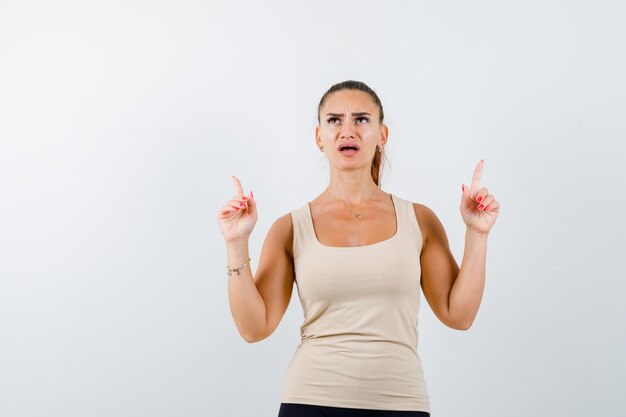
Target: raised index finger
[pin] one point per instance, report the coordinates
(478, 171)
(238, 187)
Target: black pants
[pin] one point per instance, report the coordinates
(307, 410)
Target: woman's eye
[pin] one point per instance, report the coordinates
(331, 120)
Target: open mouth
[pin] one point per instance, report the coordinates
(348, 150)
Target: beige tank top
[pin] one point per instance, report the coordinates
(359, 337)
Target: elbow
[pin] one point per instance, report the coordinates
(252, 334)
(249, 338)
(458, 321)
(460, 325)
(464, 326)
(253, 338)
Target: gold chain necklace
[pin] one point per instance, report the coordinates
(356, 213)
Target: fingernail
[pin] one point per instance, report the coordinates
(487, 208)
(235, 207)
(480, 207)
(479, 199)
(463, 187)
(244, 197)
(242, 205)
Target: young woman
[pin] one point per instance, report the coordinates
(358, 256)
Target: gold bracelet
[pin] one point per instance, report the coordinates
(231, 270)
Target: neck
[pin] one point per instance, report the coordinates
(353, 187)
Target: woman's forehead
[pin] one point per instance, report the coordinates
(349, 98)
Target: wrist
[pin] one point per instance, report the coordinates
(237, 242)
(475, 234)
(237, 250)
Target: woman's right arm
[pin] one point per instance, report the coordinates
(258, 302)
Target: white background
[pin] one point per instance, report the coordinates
(121, 124)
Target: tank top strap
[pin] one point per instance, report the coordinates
(302, 233)
(407, 222)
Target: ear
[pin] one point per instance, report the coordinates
(384, 132)
(318, 141)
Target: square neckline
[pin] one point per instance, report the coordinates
(394, 202)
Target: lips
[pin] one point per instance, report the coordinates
(348, 146)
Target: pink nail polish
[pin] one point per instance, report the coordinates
(480, 207)
(479, 198)
(244, 198)
(242, 205)
(235, 207)
(487, 208)
(463, 187)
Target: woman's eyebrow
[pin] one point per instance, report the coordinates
(362, 113)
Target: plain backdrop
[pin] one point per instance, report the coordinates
(121, 123)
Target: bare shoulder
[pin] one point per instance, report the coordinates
(425, 217)
(429, 223)
(281, 233)
(276, 259)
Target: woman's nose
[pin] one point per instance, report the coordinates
(347, 130)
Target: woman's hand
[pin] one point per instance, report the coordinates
(479, 209)
(238, 217)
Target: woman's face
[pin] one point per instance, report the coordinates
(350, 117)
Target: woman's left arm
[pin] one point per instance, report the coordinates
(479, 210)
(455, 294)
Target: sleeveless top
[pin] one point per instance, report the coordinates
(359, 337)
